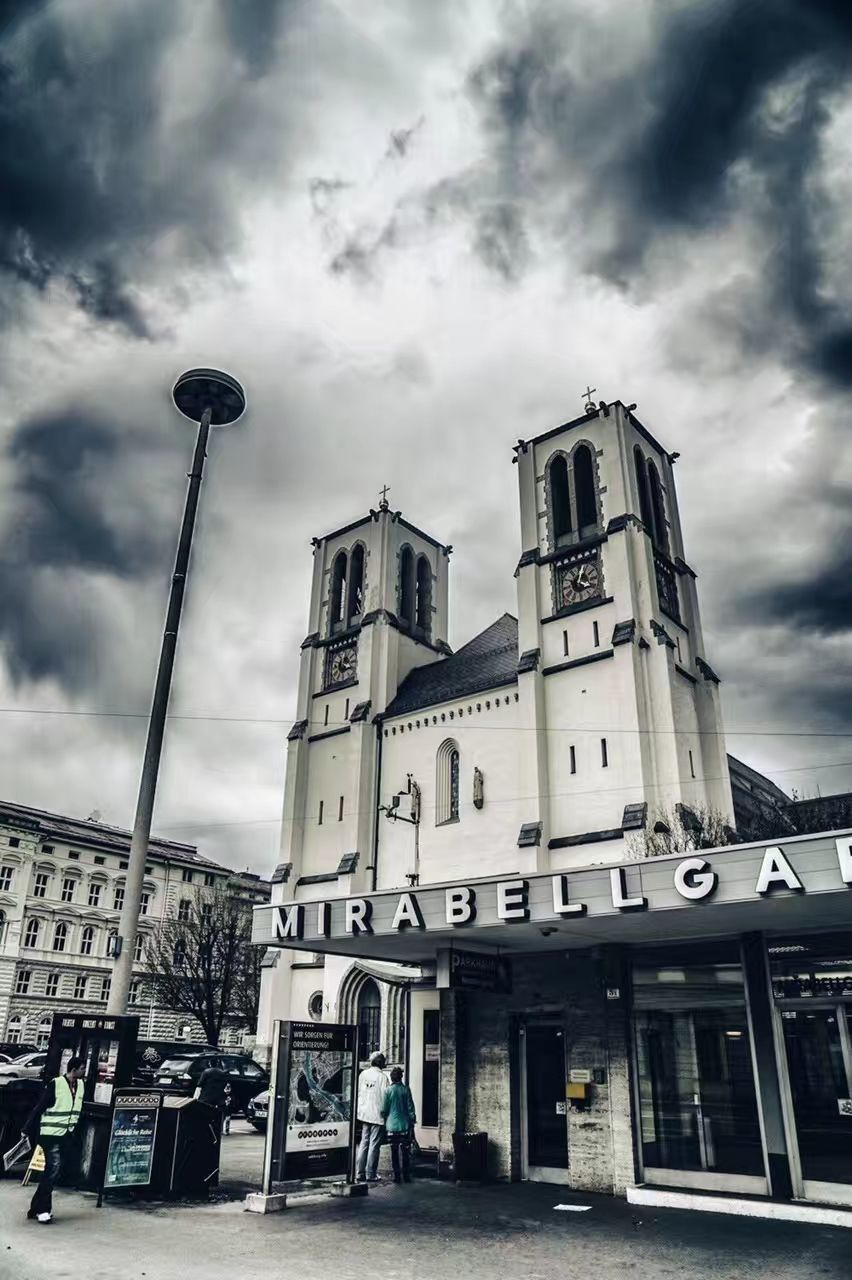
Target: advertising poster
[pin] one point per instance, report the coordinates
(131, 1141)
(314, 1100)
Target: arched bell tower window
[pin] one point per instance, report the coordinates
(423, 596)
(645, 512)
(355, 595)
(560, 498)
(584, 490)
(407, 586)
(369, 1020)
(337, 603)
(447, 783)
(658, 507)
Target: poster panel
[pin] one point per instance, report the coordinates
(131, 1141)
(317, 1066)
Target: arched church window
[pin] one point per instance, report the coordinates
(645, 512)
(423, 602)
(369, 1019)
(584, 490)
(560, 498)
(447, 783)
(406, 585)
(355, 599)
(338, 591)
(658, 507)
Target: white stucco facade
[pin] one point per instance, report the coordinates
(545, 744)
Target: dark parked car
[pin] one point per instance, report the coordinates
(151, 1054)
(181, 1075)
(257, 1111)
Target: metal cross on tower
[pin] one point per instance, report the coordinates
(588, 393)
(384, 491)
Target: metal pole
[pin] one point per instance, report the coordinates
(129, 919)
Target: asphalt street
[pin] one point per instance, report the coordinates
(428, 1228)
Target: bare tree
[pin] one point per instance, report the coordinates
(682, 830)
(198, 961)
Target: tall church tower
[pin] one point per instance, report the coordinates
(378, 609)
(614, 682)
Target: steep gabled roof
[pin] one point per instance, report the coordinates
(487, 661)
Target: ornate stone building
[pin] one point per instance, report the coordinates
(61, 891)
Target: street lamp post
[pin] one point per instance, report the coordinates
(209, 398)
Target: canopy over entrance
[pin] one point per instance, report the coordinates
(796, 884)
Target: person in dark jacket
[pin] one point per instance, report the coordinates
(400, 1119)
(49, 1126)
(214, 1088)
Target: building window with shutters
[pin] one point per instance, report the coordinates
(95, 891)
(87, 941)
(118, 897)
(22, 982)
(60, 936)
(51, 986)
(69, 884)
(80, 986)
(40, 884)
(31, 933)
(184, 909)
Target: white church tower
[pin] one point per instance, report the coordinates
(613, 679)
(378, 609)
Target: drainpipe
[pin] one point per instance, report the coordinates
(378, 797)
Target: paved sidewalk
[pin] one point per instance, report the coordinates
(427, 1229)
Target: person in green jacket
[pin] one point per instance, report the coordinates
(400, 1119)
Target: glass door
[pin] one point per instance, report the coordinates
(545, 1107)
(698, 1114)
(819, 1065)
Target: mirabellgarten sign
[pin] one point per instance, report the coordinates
(738, 874)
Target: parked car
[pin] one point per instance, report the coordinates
(257, 1111)
(247, 1079)
(151, 1054)
(29, 1066)
(13, 1049)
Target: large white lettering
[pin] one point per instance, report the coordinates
(289, 923)
(618, 888)
(512, 900)
(775, 872)
(694, 880)
(407, 913)
(844, 857)
(358, 913)
(561, 905)
(323, 919)
(460, 906)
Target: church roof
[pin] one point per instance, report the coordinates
(487, 661)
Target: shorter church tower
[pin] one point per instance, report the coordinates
(613, 676)
(378, 609)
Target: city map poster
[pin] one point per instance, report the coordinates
(315, 1087)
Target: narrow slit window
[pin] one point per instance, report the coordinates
(325, 721)
(573, 759)
(604, 756)
(691, 765)
(596, 635)
(340, 810)
(346, 711)
(565, 643)
(319, 819)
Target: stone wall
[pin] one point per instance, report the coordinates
(482, 1078)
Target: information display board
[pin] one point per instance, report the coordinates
(311, 1129)
(130, 1157)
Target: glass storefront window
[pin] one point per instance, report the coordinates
(698, 1105)
(812, 982)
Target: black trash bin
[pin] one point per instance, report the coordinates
(17, 1099)
(470, 1151)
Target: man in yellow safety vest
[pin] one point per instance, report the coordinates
(51, 1124)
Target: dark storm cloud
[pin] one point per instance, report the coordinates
(818, 598)
(73, 519)
(97, 171)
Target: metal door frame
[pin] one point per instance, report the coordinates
(839, 1193)
(540, 1173)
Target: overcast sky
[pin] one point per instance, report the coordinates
(415, 229)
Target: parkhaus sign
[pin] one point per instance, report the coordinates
(738, 874)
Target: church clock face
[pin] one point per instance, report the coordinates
(342, 664)
(579, 582)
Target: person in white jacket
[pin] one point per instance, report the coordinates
(372, 1089)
